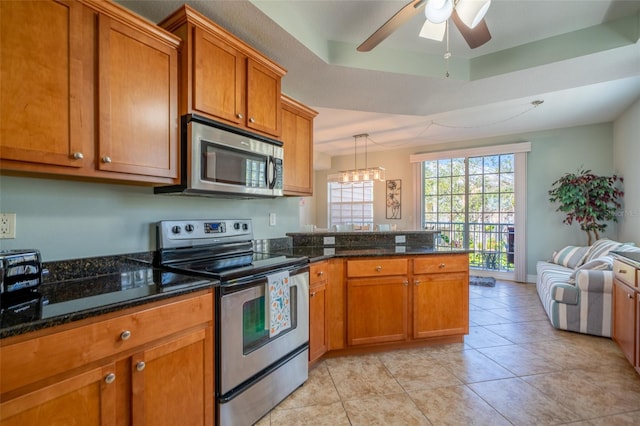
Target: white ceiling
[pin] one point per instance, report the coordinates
(581, 57)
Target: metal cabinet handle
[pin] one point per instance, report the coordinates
(312, 294)
(405, 282)
(442, 265)
(417, 282)
(630, 296)
(378, 268)
(252, 120)
(78, 156)
(321, 273)
(140, 365)
(106, 159)
(110, 378)
(622, 271)
(240, 116)
(125, 335)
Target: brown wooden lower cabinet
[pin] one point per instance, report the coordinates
(80, 399)
(396, 300)
(377, 310)
(318, 337)
(626, 310)
(159, 370)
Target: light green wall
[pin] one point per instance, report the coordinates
(553, 153)
(68, 219)
(626, 155)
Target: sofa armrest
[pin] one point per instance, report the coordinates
(594, 281)
(565, 293)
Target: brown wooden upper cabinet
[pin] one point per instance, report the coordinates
(82, 92)
(297, 136)
(223, 78)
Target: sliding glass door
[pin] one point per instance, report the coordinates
(472, 199)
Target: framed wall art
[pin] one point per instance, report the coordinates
(394, 199)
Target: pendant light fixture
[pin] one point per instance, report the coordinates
(366, 174)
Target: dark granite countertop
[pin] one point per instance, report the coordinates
(83, 288)
(131, 284)
(317, 253)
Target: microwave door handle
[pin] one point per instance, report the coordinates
(271, 173)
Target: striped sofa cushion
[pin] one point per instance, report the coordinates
(570, 256)
(601, 248)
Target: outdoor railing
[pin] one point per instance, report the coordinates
(491, 244)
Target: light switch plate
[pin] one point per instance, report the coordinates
(400, 239)
(329, 241)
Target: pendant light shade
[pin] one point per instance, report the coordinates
(471, 12)
(433, 31)
(438, 11)
(368, 174)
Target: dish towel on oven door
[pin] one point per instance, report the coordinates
(279, 306)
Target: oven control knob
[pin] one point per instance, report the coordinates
(176, 229)
(245, 227)
(188, 227)
(236, 226)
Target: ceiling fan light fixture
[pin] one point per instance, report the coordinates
(438, 11)
(433, 31)
(471, 12)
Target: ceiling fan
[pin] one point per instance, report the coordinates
(467, 15)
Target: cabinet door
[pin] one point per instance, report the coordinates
(624, 318)
(317, 320)
(440, 305)
(173, 383)
(377, 310)
(637, 339)
(138, 103)
(87, 398)
(45, 70)
(297, 137)
(218, 78)
(264, 108)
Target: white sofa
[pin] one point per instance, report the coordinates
(575, 287)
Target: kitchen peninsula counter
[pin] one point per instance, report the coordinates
(318, 253)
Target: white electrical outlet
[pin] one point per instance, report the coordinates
(7, 225)
(272, 219)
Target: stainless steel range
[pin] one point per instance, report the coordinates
(262, 312)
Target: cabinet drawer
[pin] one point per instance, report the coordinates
(441, 263)
(625, 273)
(376, 267)
(318, 272)
(32, 360)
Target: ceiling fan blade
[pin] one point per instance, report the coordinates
(396, 21)
(475, 37)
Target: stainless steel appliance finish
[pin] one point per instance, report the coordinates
(265, 394)
(255, 370)
(220, 160)
(241, 359)
(20, 270)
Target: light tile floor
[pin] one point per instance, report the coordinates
(513, 369)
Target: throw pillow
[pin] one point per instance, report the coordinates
(601, 248)
(570, 256)
(604, 263)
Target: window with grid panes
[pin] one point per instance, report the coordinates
(350, 203)
(478, 214)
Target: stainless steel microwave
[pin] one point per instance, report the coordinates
(220, 160)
